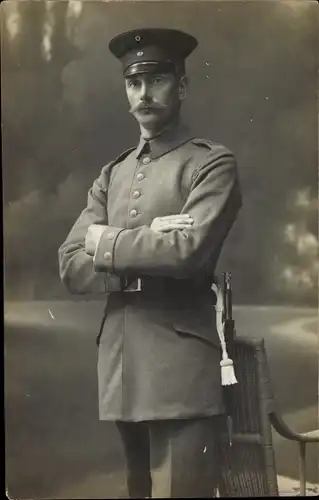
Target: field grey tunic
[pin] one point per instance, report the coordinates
(159, 350)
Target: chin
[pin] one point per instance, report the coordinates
(148, 119)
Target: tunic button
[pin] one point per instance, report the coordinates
(136, 194)
(146, 160)
(140, 176)
(110, 236)
(133, 213)
(107, 256)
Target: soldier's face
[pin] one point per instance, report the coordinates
(155, 99)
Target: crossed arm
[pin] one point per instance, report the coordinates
(159, 225)
(178, 251)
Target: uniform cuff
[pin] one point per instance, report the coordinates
(104, 255)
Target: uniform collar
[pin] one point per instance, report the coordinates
(167, 141)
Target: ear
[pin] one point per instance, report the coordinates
(183, 87)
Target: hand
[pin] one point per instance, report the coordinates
(92, 237)
(170, 222)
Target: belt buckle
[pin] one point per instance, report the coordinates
(136, 286)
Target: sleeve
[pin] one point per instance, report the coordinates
(76, 268)
(214, 202)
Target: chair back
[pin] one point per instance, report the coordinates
(248, 466)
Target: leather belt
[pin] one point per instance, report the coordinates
(168, 285)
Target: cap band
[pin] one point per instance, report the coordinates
(150, 67)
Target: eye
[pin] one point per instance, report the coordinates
(131, 83)
(157, 79)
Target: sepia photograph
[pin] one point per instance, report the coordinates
(160, 227)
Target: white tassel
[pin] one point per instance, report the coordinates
(227, 366)
(228, 372)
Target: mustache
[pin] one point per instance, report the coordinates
(150, 106)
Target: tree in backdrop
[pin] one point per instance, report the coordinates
(38, 128)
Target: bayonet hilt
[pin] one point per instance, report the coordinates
(228, 303)
(228, 308)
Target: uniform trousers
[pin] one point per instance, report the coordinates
(172, 458)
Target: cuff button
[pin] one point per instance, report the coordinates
(107, 256)
(110, 236)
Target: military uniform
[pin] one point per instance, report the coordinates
(159, 350)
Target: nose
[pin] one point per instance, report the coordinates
(144, 92)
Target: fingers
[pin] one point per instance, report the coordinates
(170, 222)
(180, 222)
(175, 217)
(169, 227)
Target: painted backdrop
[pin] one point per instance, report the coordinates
(64, 115)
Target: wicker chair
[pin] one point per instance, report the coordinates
(248, 465)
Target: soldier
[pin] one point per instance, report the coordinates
(149, 239)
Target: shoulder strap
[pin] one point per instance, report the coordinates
(106, 170)
(212, 145)
(122, 156)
